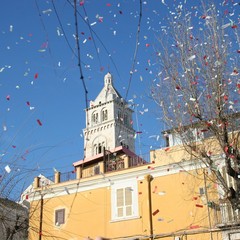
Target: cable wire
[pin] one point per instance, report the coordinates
(78, 53)
(136, 49)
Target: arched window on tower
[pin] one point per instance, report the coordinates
(125, 119)
(95, 149)
(119, 116)
(99, 148)
(95, 118)
(104, 114)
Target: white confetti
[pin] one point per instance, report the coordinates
(192, 57)
(7, 169)
(92, 24)
(47, 11)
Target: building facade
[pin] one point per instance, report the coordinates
(115, 194)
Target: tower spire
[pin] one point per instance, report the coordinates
(108, 79)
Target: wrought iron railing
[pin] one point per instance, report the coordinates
(228, 215)
(67, 176)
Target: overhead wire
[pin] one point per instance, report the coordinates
(136, 48)
(85, 93)
(64, 34)
(46, 34)
(79, 55)
(98, 38)
(132, 71)
(93, 39)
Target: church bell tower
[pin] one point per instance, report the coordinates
(108, 122)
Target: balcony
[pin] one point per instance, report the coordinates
(106, 165)
(228, 217)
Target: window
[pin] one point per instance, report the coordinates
(201, 191)
(119, 116)
(59, 217)
(96, 170)
(104, 115)
(125, 119)
(95, 117)
(124, 200)
(95, 149)
(99, 148)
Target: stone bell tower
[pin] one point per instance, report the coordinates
(108, 122)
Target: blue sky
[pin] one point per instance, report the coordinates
(40, 79)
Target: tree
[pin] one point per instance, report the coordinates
(198, 88)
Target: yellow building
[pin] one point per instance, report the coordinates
(114, 194)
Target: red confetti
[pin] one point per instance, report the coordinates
(166, 149)
(234, 26)
(147, 44)
(203, 16)
(194, 226)
(198, 205)
(28, 103)
(13, 146)
(194, 83)
(81, 3)
(235, 71)
(8, 97)
(155, 189)
(36, 76)
(238, 51)
(225, 97)
(39, 122)
(139, 132)
(155, 212)
(108, 4)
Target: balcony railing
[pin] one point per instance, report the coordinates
(109, 166)
(228, 216)
(67, 176)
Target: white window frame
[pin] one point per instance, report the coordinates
(132, 186)
(60, 212)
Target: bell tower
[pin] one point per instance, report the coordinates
(108, 122)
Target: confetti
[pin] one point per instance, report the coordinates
(155, 212)
(192, 57)
(7, 169)
(39, 122)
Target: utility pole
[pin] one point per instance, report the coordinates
(41, 218)
(206, 194)
(149, 178)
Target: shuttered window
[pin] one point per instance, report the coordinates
(124, 201)
(59, 216)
